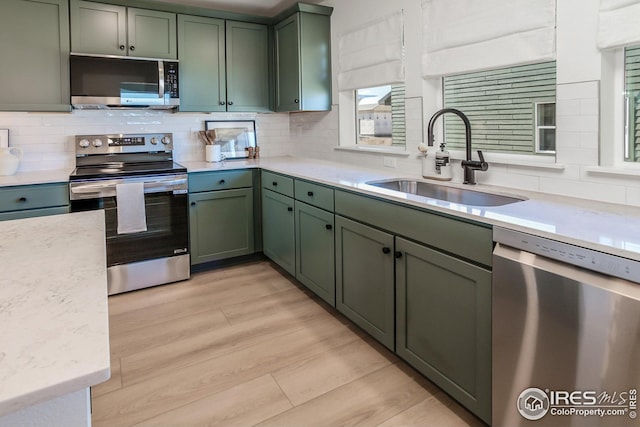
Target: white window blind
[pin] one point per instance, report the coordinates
(372, 55)
(618, 23)
(473, 35)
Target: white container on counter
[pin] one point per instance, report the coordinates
(9, 160)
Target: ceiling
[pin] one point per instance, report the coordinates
(252, 7)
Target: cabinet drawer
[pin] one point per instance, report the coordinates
(314, 194)
(223, 180)
(278, 183)
(461, 238)
(25, 197)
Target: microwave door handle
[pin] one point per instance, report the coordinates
(161, 79)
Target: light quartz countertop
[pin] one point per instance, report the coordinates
(35, 177)
(54, 337)
(595, 225)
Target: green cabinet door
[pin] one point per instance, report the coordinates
(365, 278)
(278, 232)
(315, 264)
(106, 29)
(247, 59)
(34, 47)
(444, 323)
(303, 63)
(201, 47)
(98, 28)
(151, 33)
(220, 224)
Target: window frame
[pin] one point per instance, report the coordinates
(538, 127)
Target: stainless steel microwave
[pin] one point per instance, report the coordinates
(120, 82)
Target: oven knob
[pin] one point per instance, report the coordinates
(166, 140)
(97, 143)
(84, 143)
(154, 141)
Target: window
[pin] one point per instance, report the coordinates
(632, 104)
(510, 109)
(380, 116)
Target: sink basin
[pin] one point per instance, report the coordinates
(443, 192)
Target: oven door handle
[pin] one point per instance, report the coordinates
(108, 189)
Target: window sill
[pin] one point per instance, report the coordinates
(516, 160)
(610, 170)
(385, 151)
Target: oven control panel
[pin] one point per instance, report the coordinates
(121, 143)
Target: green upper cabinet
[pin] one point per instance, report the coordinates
(105, 29)
(202, 63)
(303, 63)
(34, 47)
(223, 65)
(247, 67)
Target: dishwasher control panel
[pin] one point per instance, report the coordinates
(590, 259)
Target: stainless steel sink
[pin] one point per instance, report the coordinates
(443, 192)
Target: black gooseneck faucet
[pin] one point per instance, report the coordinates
(469, 165)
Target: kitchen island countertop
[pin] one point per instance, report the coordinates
(54, 338)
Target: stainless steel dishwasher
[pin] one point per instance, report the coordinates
(566, 334)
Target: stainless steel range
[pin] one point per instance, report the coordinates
(144, 195)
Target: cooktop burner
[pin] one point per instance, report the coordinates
(112, 170)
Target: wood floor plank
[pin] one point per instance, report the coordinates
(438, 410)
(310, 378)
(366, 402)
(243, 405)
(149, 337)
(198, 347)
(113, 383)
(178, 387)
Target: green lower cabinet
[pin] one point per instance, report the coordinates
(221, 224)
(278, 230)
(315, 266)
(444, 323)
(365, 278)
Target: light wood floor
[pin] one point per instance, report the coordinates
(244, 346)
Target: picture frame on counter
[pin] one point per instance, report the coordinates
(234, 136)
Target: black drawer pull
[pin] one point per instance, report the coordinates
(328, 226)
(121, 47)
(290, 209)
(398, 255)
(132, 48)
(193, 203)
(310, 193)
(221, 182)
(22, 199)
(274, 183)
(386, 250)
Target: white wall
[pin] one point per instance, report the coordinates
(580, 143)
(47, 139)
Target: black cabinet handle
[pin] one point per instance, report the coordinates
(386, 250)
(290, 209)
(398, 254)
(132, 48)
(230, 103)
(222, 181)
(275, 184)
(193, 203)
(121, 47)
(310, 193)
(22, 199)
(328, 226)
(297, 101)
(222, 103)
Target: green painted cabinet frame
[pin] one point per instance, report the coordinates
(365, 291)
(303, 63)
(278, 229)
(107, 29)
(443, 322)
(34, 47)
(315, 250)
(27, 201)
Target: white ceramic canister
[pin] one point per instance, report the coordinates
(429, 163)
(213, 153)
(10, 160)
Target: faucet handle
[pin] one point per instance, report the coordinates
(483, 164)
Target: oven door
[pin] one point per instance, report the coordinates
(166, 210)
